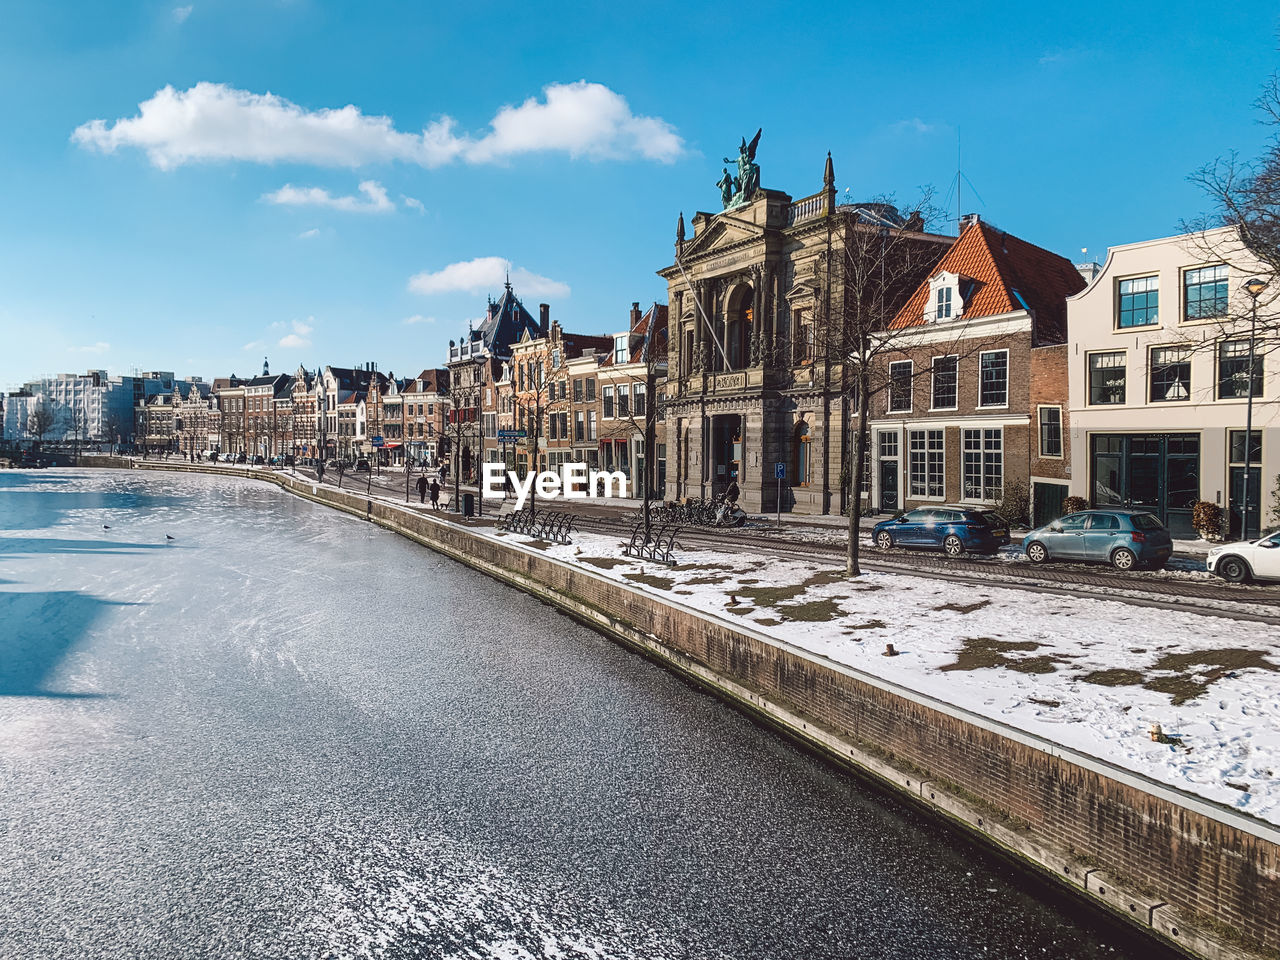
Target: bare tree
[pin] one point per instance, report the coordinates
(40, 419)
(653, 354)
(874, 265)
(1244, 195)
(544, 404)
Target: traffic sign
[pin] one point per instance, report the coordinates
(779, 471)
(378, 442)
(512, 434)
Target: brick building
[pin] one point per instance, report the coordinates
(975, 382)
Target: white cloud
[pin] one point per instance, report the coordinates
(374, 199)
(212, 121)
(253, 345)
(308, 234)
(485, 273)
(99, 347)
(180, 14)
(413, 203)
(300, 337)
(915, 125)
(418, 318)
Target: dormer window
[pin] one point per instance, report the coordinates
(946, 296)
(621, 353)
(942, 309)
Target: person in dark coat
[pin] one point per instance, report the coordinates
(422, 489)
(435, 495)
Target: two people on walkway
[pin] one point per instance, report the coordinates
(433, 488)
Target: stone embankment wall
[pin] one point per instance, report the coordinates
(1197, 875)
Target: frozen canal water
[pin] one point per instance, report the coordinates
(287, 733)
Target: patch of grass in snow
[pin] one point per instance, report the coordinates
(815, 611)
(869, 625)
(1193, 679)
(768, 621)
(752, 580)
(700, 566)
(772, 596)
(981, 652)
(604, 563)
(1114, 678)
(1045, 703)
(648, 579)
(694, 581)
(964, 607)
(1192, 674)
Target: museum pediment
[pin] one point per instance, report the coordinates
(724, 233)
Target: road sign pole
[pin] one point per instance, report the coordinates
(779, 472)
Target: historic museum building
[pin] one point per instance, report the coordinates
(756, 386)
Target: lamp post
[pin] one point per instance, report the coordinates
(1253, 287)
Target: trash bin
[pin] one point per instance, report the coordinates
(468, 504)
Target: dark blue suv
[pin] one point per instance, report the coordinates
(953, 530)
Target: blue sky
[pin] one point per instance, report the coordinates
(243, 211)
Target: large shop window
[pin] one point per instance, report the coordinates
(1106, 377)
(983, 464)
(1234, 366)
(926, 462)
(994, 385)
(802, 463)
(900, 386)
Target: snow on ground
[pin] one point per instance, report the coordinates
(1093, 675)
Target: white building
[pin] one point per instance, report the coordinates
(1159, 373)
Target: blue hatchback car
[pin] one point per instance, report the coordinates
(1123, 538)
(953, 530)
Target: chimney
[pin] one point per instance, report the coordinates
(544, 319)
(635, 314)
(968, 220)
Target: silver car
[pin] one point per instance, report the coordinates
(1123, 538)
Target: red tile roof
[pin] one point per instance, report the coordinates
(1010, 275)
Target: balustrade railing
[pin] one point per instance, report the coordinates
(808, 208)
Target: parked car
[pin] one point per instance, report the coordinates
(228, 458)
(1123, 538)
(953, 530)
(1248, 560)
(362, 466)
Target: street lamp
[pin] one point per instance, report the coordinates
(1253, 287)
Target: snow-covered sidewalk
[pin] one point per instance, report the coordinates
(1092, 675)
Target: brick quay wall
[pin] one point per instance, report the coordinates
(1196, 875)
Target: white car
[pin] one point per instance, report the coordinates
(1252, 560)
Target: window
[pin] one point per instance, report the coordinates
(638, 398)
(1236, 446)
(579, 426)
(620, 352)
(799, 337)
(944, 383)
(1106, 377)
(1170, 377)
(942, 306)
(926, 462)
(803, 464)
(983, 464)
(607, 394)
(1204, 293)
(993, 372)
(1234, 363)
(888, 445)
(591, 425)
(591, 390)
(1139, 302)
(900, 386)
(624, 400)
(1050, 431)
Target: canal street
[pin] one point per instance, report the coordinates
(236, 724)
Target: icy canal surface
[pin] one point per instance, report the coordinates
(286, 733)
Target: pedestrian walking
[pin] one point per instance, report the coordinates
(422, 489)
(435, 495)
